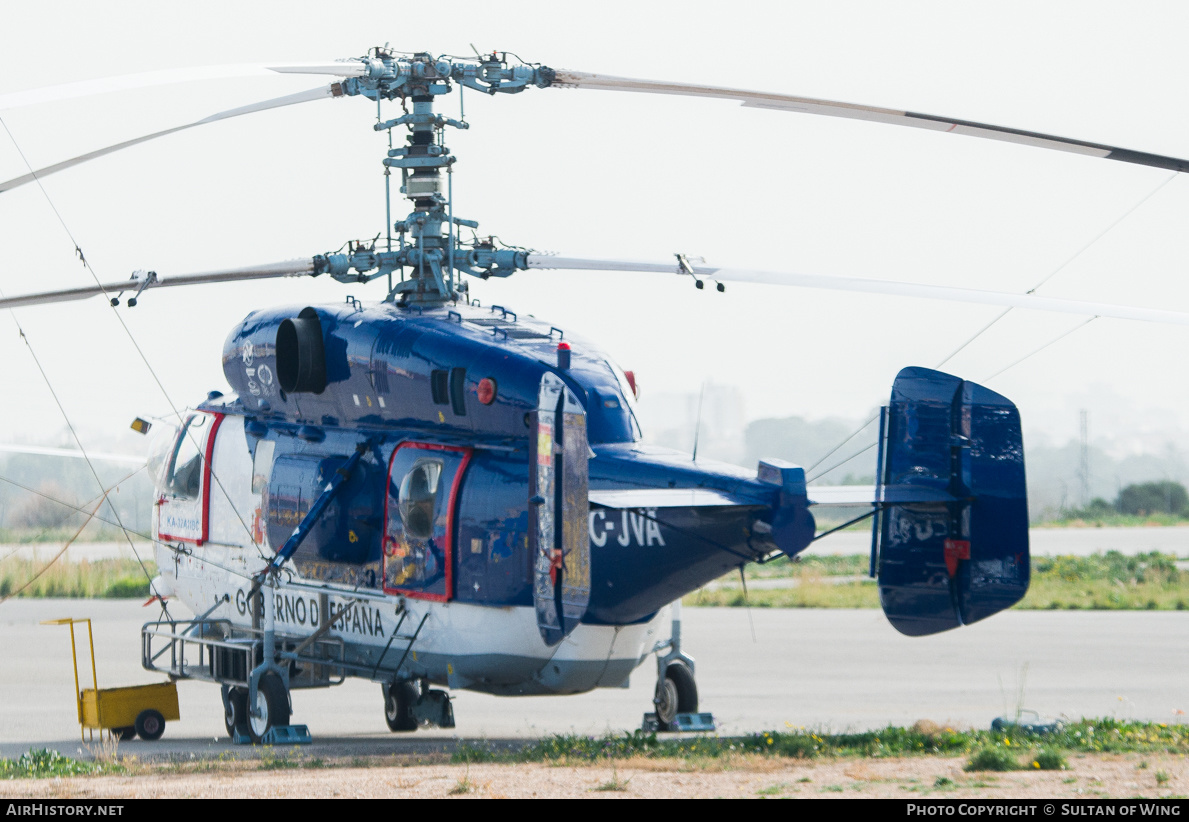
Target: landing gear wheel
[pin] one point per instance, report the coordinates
(399, 699)
(676, 694)
(124, 734)
(271, 709)
(235, 710)
(150, 725)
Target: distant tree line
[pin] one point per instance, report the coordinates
(1141, 499)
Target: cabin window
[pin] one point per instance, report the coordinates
(184, 479)
(439, 381)
(262, 465)
(418, 498)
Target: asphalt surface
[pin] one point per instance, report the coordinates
(757, 670)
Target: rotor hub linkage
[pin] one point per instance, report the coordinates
(429, 248)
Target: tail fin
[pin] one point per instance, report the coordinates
(951, 535)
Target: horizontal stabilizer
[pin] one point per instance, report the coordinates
(852, 495)
(666, 498)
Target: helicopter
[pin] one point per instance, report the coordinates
(433, 492)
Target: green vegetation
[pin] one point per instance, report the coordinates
(1050, 759)
(1110, 581)
(993, 759)
(271, 760)
(809, 594)
(1159, 503)
(615, 783)
(95, 531)
(1085, 518)
(99, 579)
(985, 750)
(44, 764)
(1047, 751)
(818, 582)
(817, 564)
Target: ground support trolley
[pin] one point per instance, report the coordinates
(136, 710)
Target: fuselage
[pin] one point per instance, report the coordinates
(436, 517)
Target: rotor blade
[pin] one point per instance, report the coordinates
(900, 289)
(352, 68)
(263, 105)
(293, 268)
(37, 450)
(830, 108)
(148, 79)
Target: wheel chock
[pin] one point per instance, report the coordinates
(691, 723)
(288, 735)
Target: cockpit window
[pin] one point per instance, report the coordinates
(162, 440)
(418, 498)
(629, 398)
(184, 479)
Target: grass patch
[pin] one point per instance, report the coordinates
(1050, 759)
(271, 761)
(95, 531)
(1106, 519)
(992, 759)
(809, 593)
(1049, 751)
(1103, 581)
(815, 564)
(463, 786)
(1110, 581)
(100, 579)
(46, 764)
(615, 783)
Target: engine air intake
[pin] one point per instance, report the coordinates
(301, 354)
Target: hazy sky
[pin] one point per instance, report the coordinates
(591, 173)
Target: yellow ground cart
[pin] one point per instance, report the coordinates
(137, 710)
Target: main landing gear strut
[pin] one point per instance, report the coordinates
(676, 697)
(409, 705)
(272, 709)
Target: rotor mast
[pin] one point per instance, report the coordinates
(430, 250)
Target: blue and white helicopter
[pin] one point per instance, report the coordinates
(428, 492)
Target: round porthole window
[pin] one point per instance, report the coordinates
(418, 498)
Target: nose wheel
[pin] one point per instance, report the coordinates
(271, 709)
(245, 721)
(235, 709)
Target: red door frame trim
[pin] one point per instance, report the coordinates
(450, 521)
(206, 480)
